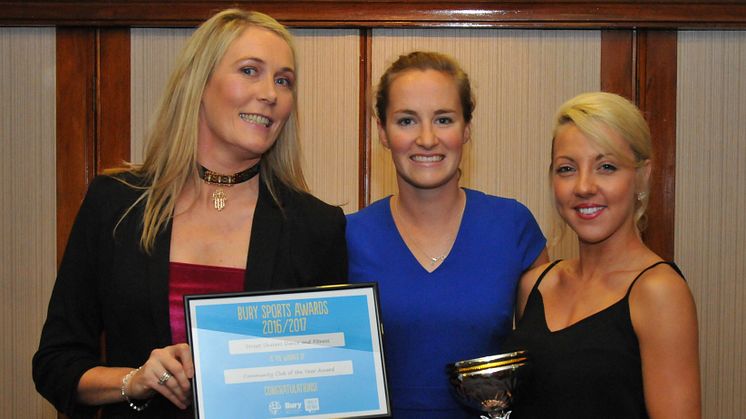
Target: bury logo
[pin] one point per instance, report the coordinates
(274, 407)
(292, 406)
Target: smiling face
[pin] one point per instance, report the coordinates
(594, 189)
(424, 129)
(246, 101)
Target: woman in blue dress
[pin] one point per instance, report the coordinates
(447, 259)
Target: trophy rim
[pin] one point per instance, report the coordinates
(481, 363)
(491, 370)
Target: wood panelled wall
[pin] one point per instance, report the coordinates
(152, 54)
(329, 97)
(710, 200)
(638, 48)
(93, 67)
(27, 210)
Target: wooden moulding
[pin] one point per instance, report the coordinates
(113, 98)
(365, 129)
(76, 125)
(93, 113)
(681, 14)
(656, 52)
(618, 63)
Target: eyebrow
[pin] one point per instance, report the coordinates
(260, 61)
(600, 156)
(411, 112)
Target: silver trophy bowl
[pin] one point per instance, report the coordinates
(488, 384)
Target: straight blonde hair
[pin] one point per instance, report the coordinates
(171, 154)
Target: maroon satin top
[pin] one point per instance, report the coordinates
(186, 279)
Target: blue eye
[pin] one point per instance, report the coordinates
(563, 170)
(608, 167)
(249, 71)
(444, 120)
(284, 81)
(404, 122)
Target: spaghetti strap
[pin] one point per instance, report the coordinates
(671, 264)
(549, 268)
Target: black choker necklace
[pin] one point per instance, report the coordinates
(213, 178)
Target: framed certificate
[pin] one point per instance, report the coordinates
(300, 353)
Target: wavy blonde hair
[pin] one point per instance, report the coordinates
(171, 154)
(594, 114)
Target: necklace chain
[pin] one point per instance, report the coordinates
(434, 260)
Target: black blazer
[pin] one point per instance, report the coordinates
(107, 284)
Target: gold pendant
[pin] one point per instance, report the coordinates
(218, 199)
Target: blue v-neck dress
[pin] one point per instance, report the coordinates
(462, 310)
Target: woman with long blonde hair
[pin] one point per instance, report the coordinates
(220, 204)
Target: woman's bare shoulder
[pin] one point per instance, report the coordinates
(658, 285)
(661, 300)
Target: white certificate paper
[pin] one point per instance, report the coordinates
(303, 353)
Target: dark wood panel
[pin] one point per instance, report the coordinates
(364, 117)
(321, 13)
(642, 67)
(657, 99)
(618, 62)
(76, 51)
(113, 98)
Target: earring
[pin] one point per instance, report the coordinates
(641, 195)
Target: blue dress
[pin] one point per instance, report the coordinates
(462, 310)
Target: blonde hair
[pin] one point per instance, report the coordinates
(594, 114)
(171, 155)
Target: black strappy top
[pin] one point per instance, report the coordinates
(590, 369)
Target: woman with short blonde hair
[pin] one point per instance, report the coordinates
(613, 332)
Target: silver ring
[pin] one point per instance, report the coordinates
(164, 377)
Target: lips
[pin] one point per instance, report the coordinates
(254, 118)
